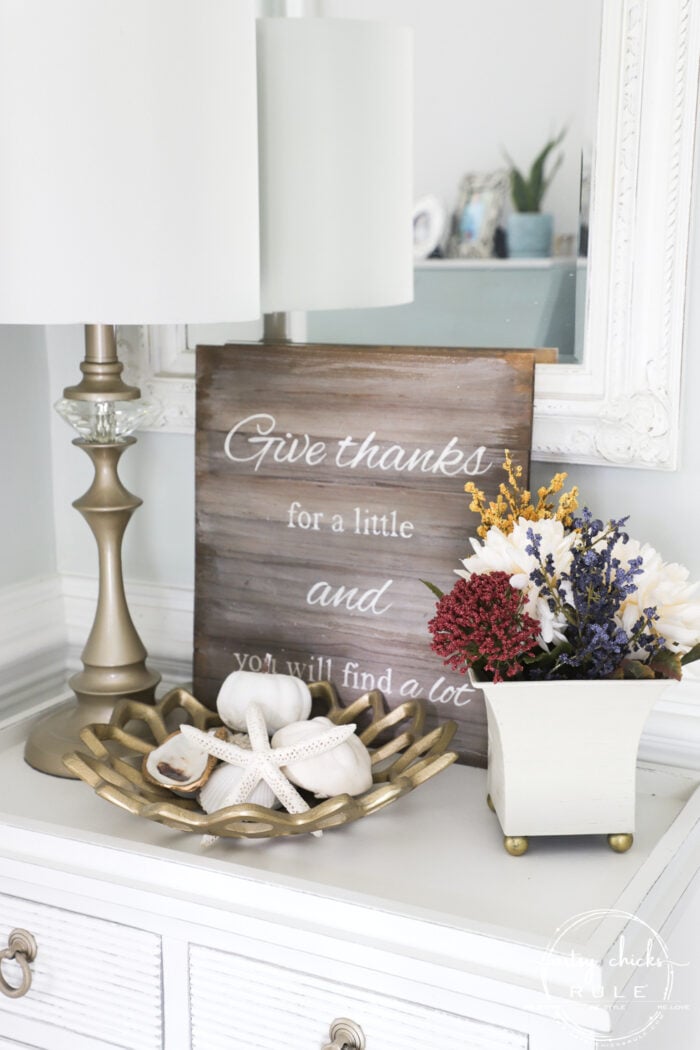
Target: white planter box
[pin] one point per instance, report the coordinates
(562, 755)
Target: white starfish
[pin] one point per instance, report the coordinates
(263, 762)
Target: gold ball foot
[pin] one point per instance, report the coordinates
(489, 803)
(516, 845)
(620, 843)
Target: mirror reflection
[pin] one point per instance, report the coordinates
(496, 86)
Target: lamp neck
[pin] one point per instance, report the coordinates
(289, 8)
(100, 344)
(277, 328)
(101, 369)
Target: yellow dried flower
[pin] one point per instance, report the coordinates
(512, 502)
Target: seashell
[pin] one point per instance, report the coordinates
(347, 769)
(221, 790)
(179, 764)
(282, 698)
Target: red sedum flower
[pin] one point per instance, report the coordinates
(483, 621)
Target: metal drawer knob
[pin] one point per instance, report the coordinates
(21, 947)
(346, 1035)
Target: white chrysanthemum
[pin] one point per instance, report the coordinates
(507, 553)
(664, 587)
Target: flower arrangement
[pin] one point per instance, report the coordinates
(547, 594)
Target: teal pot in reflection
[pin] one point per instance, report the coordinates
(529, 235)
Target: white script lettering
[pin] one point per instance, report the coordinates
(252, 662)
(354, 600)
(304, 519)
(261, 443)
(459, 695)
(387, 525)
(449, 461)
(287, 449)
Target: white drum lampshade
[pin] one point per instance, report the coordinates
(129, 176)
(335, 104)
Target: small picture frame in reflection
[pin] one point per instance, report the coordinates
(480, 204)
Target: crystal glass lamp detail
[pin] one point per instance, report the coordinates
(107, 422)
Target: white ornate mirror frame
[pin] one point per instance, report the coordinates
(622, 405)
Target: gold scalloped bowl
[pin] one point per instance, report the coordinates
(112, 764)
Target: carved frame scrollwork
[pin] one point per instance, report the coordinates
(622, 405)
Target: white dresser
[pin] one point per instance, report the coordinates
(413, 923)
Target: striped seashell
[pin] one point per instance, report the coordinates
(222, 789)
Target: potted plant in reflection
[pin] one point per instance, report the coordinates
(572, 630)
(529, 229)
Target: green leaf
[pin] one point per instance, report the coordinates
(547, 659)
(633, 669)
(520, 192)
(538, 181)
(691, 656)
(477, 665)
(667, 665)
(528, 193)
(436, 590)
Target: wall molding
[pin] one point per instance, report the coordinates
(46, 622)
(32, 642)
(672, 734)
(163, 616)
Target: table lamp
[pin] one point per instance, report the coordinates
(173, 161)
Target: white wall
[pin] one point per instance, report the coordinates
(26, 519)
(502, 75)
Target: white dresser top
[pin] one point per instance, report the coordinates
(427, 875)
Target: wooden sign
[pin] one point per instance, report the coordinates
(330, 482)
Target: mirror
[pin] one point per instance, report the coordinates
(620, 405)
(495, 84)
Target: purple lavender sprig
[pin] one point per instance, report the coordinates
(589, 596)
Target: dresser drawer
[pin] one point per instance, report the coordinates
(90, 977)
(242, 1003)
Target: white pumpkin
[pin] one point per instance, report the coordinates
(281, 697)
(347, 769)
(221, 790)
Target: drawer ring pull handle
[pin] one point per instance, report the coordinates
(22, 948)
(346, 1035)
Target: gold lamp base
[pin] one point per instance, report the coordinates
(58, 733)
(114, 657)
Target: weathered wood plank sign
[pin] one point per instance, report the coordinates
(330, 481)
